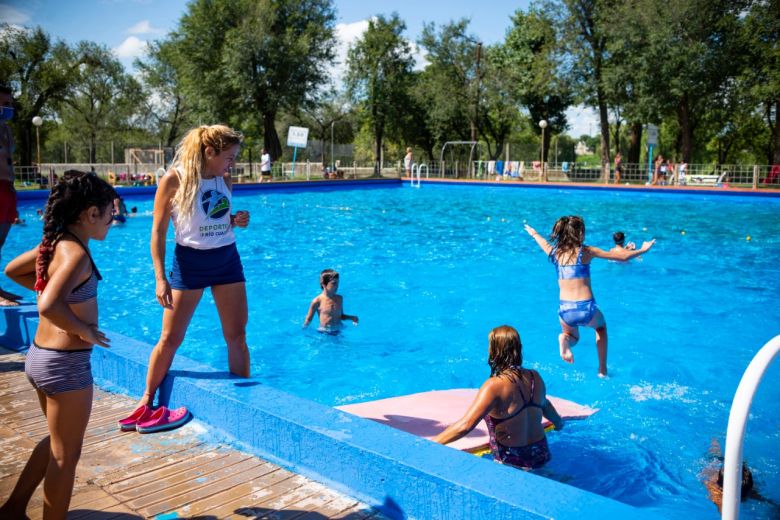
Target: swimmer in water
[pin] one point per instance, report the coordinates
(329, 305)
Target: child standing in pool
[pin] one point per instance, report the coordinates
(567, 251)
(58, 366)
(328, 305)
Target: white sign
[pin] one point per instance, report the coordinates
(652, 135)
(297, 136)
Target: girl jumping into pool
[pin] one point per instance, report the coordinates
(512, 401)
(58, 366)
(567, 251)
(196, 195)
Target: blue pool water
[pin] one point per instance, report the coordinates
(431, 271)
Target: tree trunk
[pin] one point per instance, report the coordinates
(604, 120)
(776, 157)
(92, 148)
(635, 143)
(379, 132)
(686, 130)
(25, 143)
(270, 137)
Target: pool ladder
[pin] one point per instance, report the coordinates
(417, 170)
(735, 433)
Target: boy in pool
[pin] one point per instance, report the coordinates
(329, 305)
(620, 245)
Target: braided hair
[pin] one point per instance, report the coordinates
(568, 235)
(72, 194)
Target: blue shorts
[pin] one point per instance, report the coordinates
(577, 313)
(55, 371)
(201, 268)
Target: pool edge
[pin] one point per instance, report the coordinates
(401, 475)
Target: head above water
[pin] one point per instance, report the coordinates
(505, 349)
(619, 238)
(568, 234)
(199, 145)
(326, 276)
(747, 481)
(74, 192)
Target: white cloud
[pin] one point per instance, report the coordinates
(12, 15)
(582, 121)
(143, 27)
(132, 47)
(347, 34)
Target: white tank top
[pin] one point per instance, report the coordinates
(209, 227)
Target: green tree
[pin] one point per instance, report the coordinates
(41, 73)
(252, 59)
(329, 116)
(166, 104)
(584, 26)
(379, 73)
(454, 77)
(535, 68)
(104, 102)
(760, 64)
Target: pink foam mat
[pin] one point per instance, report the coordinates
(426, 414)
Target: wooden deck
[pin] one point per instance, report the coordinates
(179, 474)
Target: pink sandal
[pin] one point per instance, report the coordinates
(163, 419)
(140, 414)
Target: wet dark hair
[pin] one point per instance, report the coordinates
(505, 350)
(747, 481)
(568, 235)
(619, 237)
(74, 192)
(326, 276)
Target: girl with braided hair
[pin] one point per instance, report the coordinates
(63, 274)
(567, 251)
(196, 195)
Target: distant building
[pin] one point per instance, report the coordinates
(582, 149)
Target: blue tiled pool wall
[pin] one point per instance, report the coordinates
(402, 475)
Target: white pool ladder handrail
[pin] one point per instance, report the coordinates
(735, 433)
(419, 171)
(415, 171)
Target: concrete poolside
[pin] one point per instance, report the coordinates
(183, 473)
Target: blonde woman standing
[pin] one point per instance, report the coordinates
(196, 195)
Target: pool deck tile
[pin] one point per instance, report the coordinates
(174, 474)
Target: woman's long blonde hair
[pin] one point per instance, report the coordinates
(190, 158)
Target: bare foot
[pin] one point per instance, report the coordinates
(566, 354)
(603, 375)
(9, 295)
(5, 302)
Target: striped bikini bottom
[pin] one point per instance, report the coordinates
(55, 371)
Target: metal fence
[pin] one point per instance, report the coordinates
(137, 174)
(742, 176)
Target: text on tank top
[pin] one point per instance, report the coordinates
(209, 226)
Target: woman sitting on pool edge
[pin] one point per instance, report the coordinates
(512, 401)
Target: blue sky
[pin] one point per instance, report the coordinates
(126, 25)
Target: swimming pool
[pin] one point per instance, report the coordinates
(430, 271)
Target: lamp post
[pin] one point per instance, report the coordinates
(38, 121)
(543, 125)
(332, 158)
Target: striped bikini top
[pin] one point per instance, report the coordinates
(87, 289)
